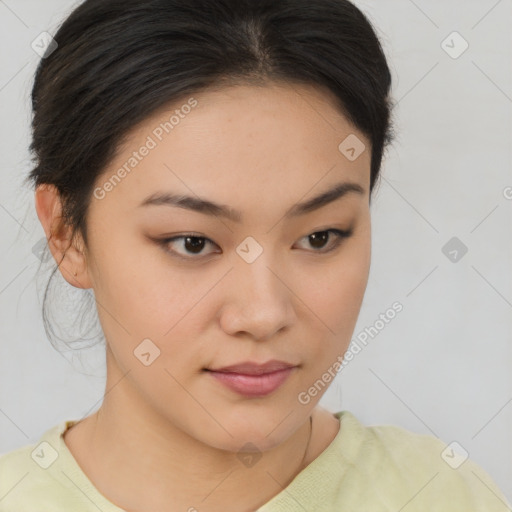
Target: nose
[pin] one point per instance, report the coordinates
(258, 300)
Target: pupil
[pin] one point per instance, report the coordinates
(316, 237)
(197, 246)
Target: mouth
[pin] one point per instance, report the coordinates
(255, 385)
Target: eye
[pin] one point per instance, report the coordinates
(319, 238)
(194, 245)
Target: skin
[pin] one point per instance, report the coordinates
(170, 424)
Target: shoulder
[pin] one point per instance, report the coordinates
(19, 479)
(418, 469)
(29, 475)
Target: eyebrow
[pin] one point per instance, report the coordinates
(207, 207)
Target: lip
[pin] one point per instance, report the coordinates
(253, 368)
(253, 385)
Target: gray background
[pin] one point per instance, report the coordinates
(442, 365)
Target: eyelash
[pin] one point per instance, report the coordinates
(340, 234)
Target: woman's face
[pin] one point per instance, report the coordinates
(256, 288)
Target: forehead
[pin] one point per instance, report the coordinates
(275, 141)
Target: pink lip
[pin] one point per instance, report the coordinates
(255, 384)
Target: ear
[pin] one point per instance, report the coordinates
(69, 255)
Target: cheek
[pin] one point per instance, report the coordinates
(333, 294)
(335, 291)
(167, 306)
(139, 290)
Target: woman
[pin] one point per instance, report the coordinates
(206, 169)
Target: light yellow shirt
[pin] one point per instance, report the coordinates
(364, 469)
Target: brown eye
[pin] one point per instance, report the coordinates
(319, 239)
(194, 244)
(191, 246)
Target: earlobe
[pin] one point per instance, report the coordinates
(70, 259)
